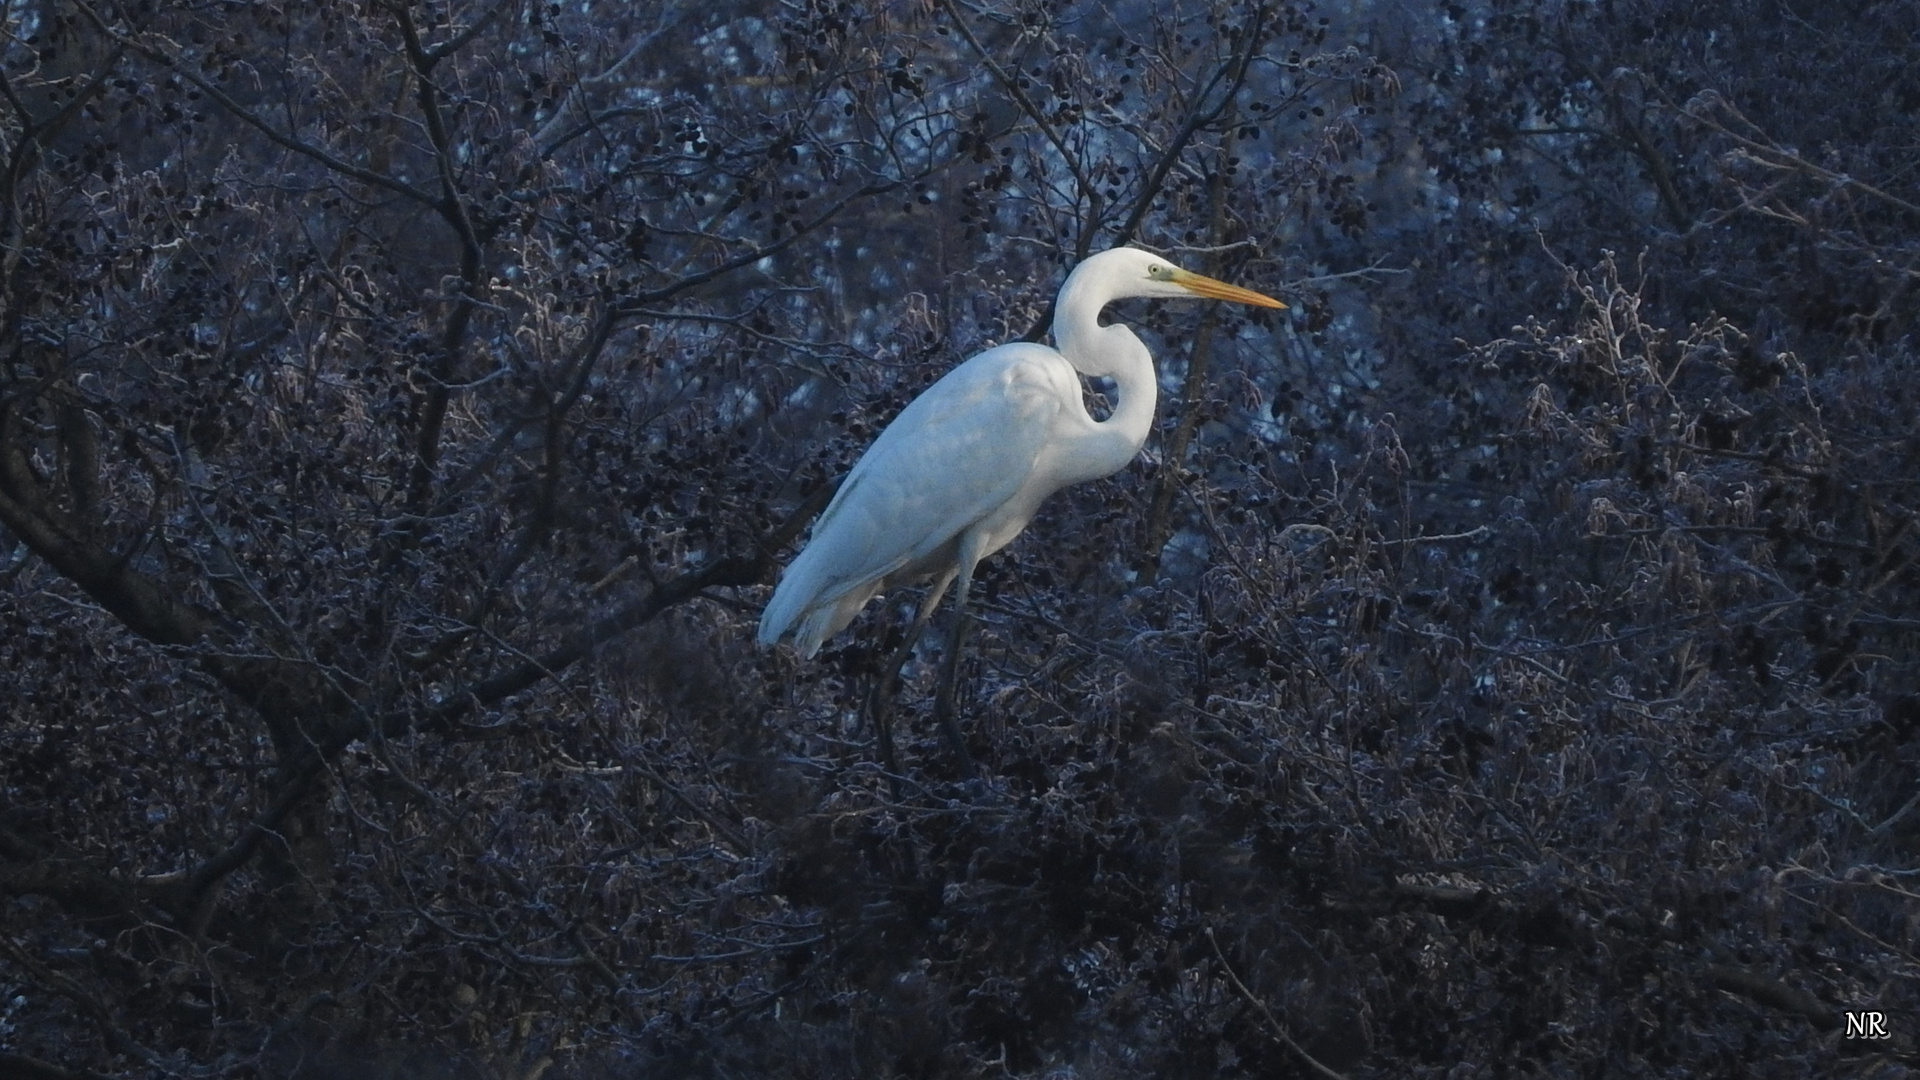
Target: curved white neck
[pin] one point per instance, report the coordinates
(1114, 352)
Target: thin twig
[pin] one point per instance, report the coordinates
(1279, 1030)
(1020, 97)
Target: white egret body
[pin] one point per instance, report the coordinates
(961, 470)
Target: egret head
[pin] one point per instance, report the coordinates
(1125, 272)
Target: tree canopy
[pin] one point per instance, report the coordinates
(1501, 663)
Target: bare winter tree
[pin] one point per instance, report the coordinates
(403, 406)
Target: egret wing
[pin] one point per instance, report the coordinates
(959, 452)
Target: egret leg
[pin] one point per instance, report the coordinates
(880, 700)
(943, 698)
(950, 669)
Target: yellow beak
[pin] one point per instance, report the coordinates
(1202, 285)
(1212, 289)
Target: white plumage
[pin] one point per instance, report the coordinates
(961, 470)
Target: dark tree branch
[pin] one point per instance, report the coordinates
(739, 570)
(1193, 392)
(161, 56)
(1198, 116)
(110, 1029)
(1273, 1023)
(28, 1068)
(1012, 88)
(452, 208)
(1774, 994)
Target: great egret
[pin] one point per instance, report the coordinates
(961, 470)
